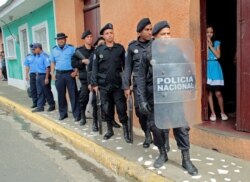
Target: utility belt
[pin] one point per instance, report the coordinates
(40, 73)
(63, 71)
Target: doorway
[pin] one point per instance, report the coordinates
(91, 13)
(24, 45)
(222, 15)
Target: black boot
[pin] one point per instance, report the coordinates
(115, 124)
(166, 137)
(163, 157)
(110, 131)
(95, 125)
(83, 118)
(148, 139)
(126, 133)
(187, 164)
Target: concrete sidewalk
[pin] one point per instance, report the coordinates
(129, 160)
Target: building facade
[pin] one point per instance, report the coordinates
(188, 19)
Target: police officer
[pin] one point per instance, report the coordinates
(106, 75)
(43, 79)
(145, 92)
(98, 42)
(134, 52)
(30, 74)
(65, 77)
(80, 60)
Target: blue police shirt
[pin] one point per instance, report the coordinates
(62, 57)
(30, 62)
(42, 62)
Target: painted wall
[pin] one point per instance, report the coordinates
(71, 23)
(45, 13)
(183, 16)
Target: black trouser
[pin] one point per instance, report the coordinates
(4, 72)
(84, 95)
(63, 81)
(115, 96)
(181, 134)
(142, 117)
(33, 90)
(44, 91)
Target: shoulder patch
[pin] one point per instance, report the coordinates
(54, 47)
(28, 54)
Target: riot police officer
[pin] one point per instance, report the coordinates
(106, 75)
(134, 52)
(145, 92)
(80, 60)
(65, 77)
(30, 74)
(43, 79)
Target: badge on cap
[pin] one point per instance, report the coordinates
(136, 51)
(101, 56)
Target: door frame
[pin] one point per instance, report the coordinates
(20, 28)
(204, 93)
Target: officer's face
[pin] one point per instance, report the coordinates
(146, 33)
(61, 42)
(164, 33)
(37, 50)
(108, 35)
(33, 51)
(88, 40)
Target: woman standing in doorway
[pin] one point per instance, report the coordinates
(215, 80)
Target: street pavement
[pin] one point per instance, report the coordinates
(213, 166)
(31, 154)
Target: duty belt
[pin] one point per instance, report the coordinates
(63, 71)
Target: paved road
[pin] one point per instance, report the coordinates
(31, 154)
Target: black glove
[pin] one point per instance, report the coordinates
(145, 108)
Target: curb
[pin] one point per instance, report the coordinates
(118, 164)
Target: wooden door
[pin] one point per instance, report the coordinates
(243, 65)
(92, 17)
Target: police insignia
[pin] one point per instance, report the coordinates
(136, 51)
(101, 56)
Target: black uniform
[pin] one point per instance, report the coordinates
(107, 70)
(132, 64)
(76, 62)
(145, 93)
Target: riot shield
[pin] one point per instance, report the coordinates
(174, 83)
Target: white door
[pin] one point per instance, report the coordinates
(24, 45)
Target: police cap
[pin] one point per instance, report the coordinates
(142, 24)
(36, 45)
(61, 36)
(107, 26)
(159, 26)
(85, 34)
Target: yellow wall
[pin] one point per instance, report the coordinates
(69, 19)
(183, 16)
